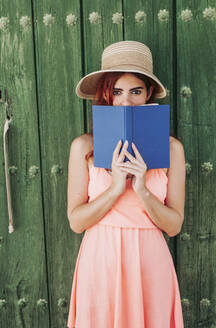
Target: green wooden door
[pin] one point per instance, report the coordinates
(196, 82)
(23, 278)
(45, 48)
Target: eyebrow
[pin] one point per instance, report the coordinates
(129, 90)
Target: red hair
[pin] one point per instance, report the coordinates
(107, 82)
(105, 86)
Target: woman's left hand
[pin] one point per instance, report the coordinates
(137, 167)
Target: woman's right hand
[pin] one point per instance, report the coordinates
(118, 176)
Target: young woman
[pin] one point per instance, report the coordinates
(124, 275)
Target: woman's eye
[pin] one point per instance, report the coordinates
(136, 92)
(116, 92)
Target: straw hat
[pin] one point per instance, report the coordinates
(123, 56)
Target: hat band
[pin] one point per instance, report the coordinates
(127, 67)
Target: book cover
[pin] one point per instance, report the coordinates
(147, 126)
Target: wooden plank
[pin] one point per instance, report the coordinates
(59, 68)
(141, 23)
(22, 255)
(97, 36)
(196, 44)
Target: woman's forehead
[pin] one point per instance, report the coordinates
(128, 79)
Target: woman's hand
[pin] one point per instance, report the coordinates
(118, 175)
(137, 167)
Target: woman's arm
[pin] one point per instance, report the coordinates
(86, 215)
(169, 217)
(81, 214)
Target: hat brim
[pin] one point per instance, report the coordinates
(86, 88)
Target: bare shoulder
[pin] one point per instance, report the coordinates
(84, 140)
(78, 172)
(176, 147)
(177, 156)
(84, 143)
(80, 147)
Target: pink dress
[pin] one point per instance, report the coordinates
(124, 275)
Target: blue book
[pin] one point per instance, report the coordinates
(147, 126)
